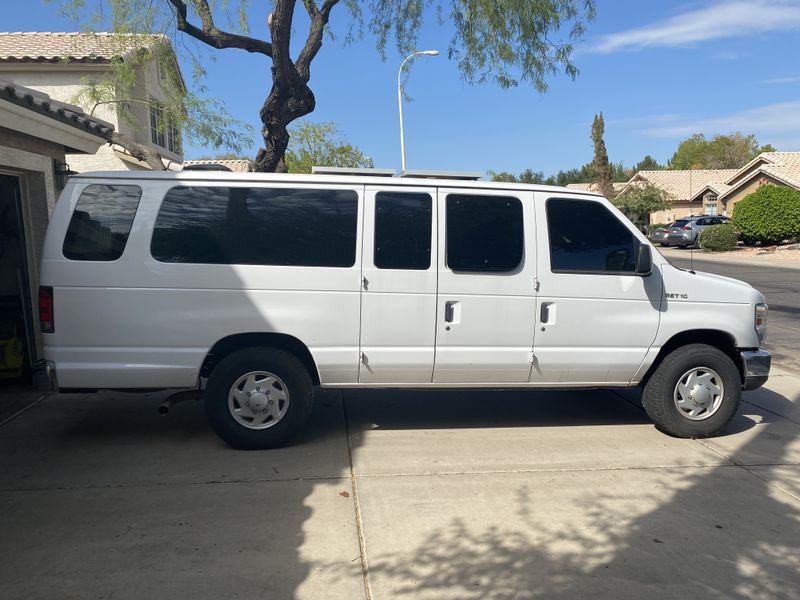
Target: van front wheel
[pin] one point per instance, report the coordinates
(694, 392)
(258, 398)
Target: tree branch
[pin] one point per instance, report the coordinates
(319, 19)
(138, 151)
(281, 29)
(209, 34)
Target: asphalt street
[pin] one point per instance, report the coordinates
(781, 286)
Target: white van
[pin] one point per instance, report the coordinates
(256, 287)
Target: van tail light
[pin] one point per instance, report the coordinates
(46, 309)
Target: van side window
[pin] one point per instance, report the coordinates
(585, 237)
(403, 230)
(484, 233)
(257, 226)
(101, 222)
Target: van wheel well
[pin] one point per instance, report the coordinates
(232, 343)
(711, 337)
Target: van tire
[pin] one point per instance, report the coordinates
(292, 374)
(659, 395)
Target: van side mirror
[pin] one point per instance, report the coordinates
(644, 260)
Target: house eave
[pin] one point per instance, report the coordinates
(38, 125)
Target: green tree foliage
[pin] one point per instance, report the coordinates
(585, 174)
(720, 152)
(200, 120)
(719, 238)
(527, 176)
(769, 215)
(321, 144)
(648, 163)
(505, 41)
(639, 201)
(603, 171)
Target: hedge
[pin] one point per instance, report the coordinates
(769, 215)
(719, 238)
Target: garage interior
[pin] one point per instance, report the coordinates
(16, 340)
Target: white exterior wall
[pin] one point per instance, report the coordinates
(65, 82)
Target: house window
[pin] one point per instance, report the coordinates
(163, 130)
(710, 204)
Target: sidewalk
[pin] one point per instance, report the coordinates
(789, 259)
(458, 494)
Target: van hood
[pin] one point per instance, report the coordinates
(707, 287)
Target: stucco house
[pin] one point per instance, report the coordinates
(777, 168)
(60, 64)
(683, 188)
(36, 133)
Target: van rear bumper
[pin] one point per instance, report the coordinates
(755, 366)
(44, 376)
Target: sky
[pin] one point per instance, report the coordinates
(659, 72)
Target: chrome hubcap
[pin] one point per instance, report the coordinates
(699, 393)
(258, 400)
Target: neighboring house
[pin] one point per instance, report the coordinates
(235, 165)
(683, 187)
(595, 188)
(777, 168)
(35, 134)
(60, 64)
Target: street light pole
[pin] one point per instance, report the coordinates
(400, 100)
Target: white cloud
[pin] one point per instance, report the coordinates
(782, 118)
(737, 18)
(781, 80)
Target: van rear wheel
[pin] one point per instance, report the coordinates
(258, 398)
(694, 392)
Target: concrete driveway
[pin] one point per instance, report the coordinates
(461, 495)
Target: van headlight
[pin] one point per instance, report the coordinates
(761, 322)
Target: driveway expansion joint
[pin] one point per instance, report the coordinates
(362, 542)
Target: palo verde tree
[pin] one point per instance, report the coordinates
(505, 41)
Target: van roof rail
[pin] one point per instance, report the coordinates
(463, 175)
(353, 171)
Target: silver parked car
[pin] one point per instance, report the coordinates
(684, 232)
(659, 236)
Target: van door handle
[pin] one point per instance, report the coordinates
(452, 312)
(448, 312)
(545, 312)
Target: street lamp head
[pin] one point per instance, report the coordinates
(430, 52)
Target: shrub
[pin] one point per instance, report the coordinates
(719, 238)
(769, 215)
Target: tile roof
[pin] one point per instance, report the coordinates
(237, 165)
(783, 166)
(53, 47)
(595, 188)
(60, 111)
(682, 185)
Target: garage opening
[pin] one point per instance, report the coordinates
(17, 344)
